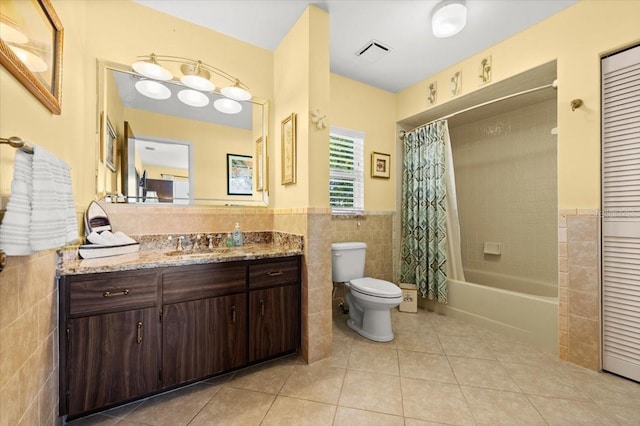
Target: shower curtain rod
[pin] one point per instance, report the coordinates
(471, 108)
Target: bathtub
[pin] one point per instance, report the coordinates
(521, 308)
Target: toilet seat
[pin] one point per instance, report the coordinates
(375, 287)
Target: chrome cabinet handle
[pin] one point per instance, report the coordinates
(139, 332)
(261, 307)
(275, 274)
(117, 293)
(233, 314)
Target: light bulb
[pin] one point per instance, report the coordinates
(193, 98)
(227, 106)
(152, 70)
(153, 89)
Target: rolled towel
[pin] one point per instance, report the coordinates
(96, 238)
(124, 238)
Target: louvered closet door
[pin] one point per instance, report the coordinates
(621, 213)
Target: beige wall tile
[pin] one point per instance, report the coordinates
(584, 278)
(28, 344)
(582, 228)
(584, 304)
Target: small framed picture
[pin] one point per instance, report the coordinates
(239, 174)
(260, 174)
(380, 165)
(110, 144)
(289, 150)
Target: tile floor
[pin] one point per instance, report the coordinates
(438, 370)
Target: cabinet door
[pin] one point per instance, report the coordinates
(203, 337)
(274, 316)
(112, 358)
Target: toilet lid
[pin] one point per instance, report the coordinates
(375, 287)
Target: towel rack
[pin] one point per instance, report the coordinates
(17, 142)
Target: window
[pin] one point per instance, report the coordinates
(346, 171)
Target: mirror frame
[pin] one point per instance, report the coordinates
(102, 67)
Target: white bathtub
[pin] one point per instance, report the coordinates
(531, 316)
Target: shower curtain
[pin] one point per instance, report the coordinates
(430, 228)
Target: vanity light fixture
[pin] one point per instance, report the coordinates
(448, 18)
(195, 75)
(227, 106)
(193, 98)
(152, 89)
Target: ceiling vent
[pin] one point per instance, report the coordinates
(373, 51)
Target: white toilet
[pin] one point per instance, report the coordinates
(370, 300)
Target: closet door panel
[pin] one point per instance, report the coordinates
(621, 213)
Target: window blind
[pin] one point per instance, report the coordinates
(346, 171)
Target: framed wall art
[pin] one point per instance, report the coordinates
(288, 129)
(260, 172)
(380, 165)
(31, 48)
(109, 145)
(239, 174)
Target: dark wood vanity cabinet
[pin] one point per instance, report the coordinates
(274, 308)
(204, 322)
(110, 339)
(125, 335)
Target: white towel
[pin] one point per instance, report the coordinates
(41, 210)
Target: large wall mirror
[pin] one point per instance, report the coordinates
(163, 152)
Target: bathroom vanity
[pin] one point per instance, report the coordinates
(127, 334)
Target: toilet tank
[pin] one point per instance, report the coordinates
(347, 261)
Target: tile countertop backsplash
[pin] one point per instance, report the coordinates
(154, 248)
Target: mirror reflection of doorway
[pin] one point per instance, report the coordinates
(158, 171)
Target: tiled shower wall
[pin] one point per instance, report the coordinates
(579, 287)
(506, 182)
(29, 341)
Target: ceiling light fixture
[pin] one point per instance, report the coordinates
(196, 75)
(448, 18)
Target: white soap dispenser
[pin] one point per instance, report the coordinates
(237, 236)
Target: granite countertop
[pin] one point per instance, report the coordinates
(155, 255)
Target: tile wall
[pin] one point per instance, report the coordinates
(317, 334)
(506, 181)
(579, 287)
(378, 231)
(29, 341)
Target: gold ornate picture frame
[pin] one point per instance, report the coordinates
(380, 165)
(36, 35)
(288, 149)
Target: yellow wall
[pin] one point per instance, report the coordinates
(360, 107)
(576, 38)
(301, 70)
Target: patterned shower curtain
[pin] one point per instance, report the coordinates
(424, 210)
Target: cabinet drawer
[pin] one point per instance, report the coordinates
(113, 293)
(273, 273)
(203, 281)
